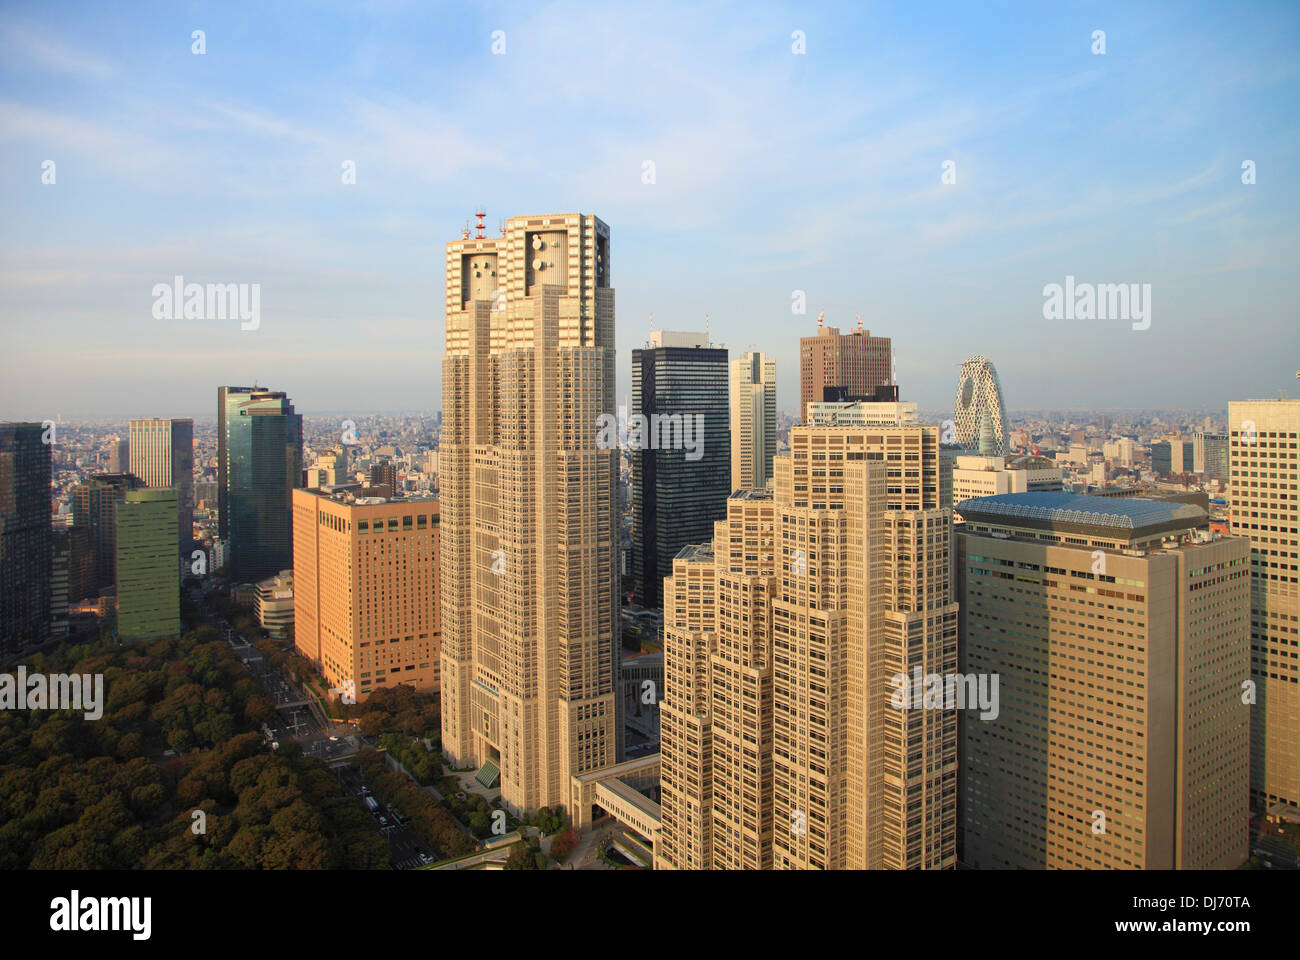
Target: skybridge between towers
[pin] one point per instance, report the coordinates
(626, 792)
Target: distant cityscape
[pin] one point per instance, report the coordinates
(686, 630)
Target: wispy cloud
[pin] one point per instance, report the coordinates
(21, 45)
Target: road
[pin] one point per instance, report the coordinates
(297, 718)
(404, 848)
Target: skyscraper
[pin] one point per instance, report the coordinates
(1210, 454)
(857, 362)
(980, 414)
(680, 456)
(780, 747)
(1264, 437)
(365, 594)
(1172, 456)
(259, 464)
(94, 504)
(60, 561)
(529, 508)
(162, 455)
(1117, 634)
(385, 475)
(119, 455)
(148, 584)
(753, 420)
(26, 540)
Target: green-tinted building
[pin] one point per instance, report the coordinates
(148, 571)
(259, 464)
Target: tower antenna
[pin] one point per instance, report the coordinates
(859, 316)
(706, 329)
(821, 316)
(480, 213)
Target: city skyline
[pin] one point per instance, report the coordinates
(670, 438)
(801, 183)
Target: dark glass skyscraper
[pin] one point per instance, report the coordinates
(681, 474)
(259, 463)
(93, 510)
(26, 540)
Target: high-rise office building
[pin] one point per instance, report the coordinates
(365, 590)
(94, 503)
(162, 455)
(1210, 454)
(1123, 451)
(529, 503)
(686, 711)
(82, 583)
(60, 563)
(148, 585)
(26, 539)
(385, 475)
(259, 465)
(753, 420)
(780, 745)
(681, 459)
(1264, 485)
(119, 455)
(1116, 630)
(1172, 456)
(979, 412)
(856, 362)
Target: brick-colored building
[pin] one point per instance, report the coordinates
(856, 362)
(366, 590)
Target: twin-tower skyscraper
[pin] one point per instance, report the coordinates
(529, 508)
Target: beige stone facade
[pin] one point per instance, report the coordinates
(782, 750)
(1120, 740)
(529, 507)
(753, 420)
(1264, 485)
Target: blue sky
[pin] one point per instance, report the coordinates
(774, 172)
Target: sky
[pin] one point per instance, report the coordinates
(775, 172)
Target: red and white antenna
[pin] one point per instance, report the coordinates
(480, 213)
(820, 317)
(464, 233)
(859, 316)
